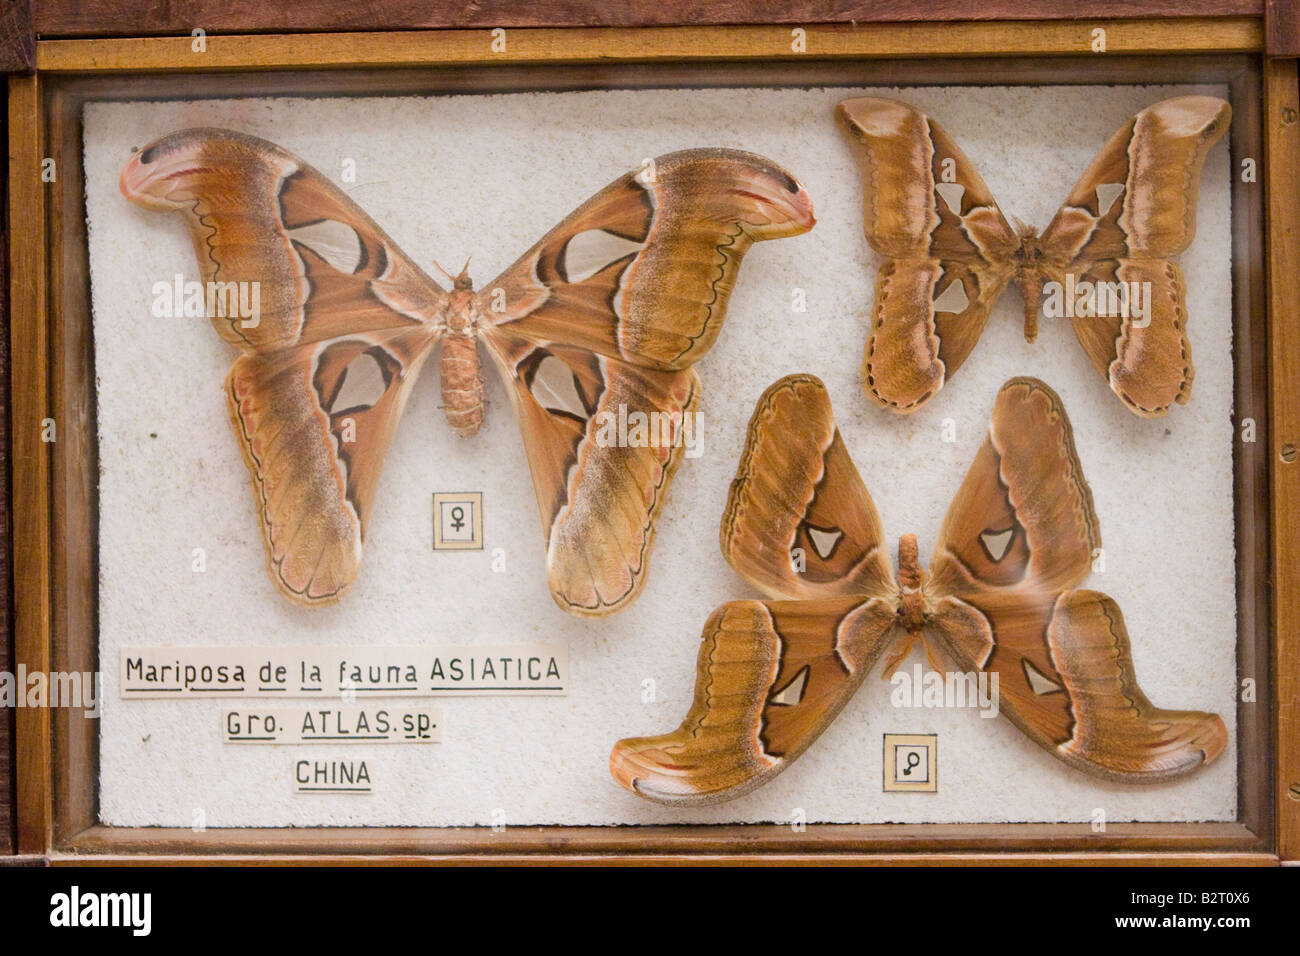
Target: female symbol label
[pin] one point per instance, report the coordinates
(458, 521)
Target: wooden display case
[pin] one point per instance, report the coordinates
(54, 499)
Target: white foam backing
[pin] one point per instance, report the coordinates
(452, 176)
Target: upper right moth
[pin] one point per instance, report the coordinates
(1103, 261)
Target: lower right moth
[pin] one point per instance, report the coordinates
(999, 596)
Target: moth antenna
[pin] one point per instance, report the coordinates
(439, 267)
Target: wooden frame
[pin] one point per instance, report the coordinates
(52, 374)
(108, 18)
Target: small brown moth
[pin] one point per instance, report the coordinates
(998, 597)
(603, 317)
(1104, 258)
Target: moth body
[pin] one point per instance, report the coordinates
(1029, 278)
(462, 369)
(914, 608)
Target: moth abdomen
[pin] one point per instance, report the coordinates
(462, 384)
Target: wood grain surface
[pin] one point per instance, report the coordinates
(693, 858)
(17, 41)
(6, 632)
(1282, 134)
(30, 455)
(1282, 27)
(1250, 460)
(68, 18)
(751, 841)
(652, 45)
(74, 472)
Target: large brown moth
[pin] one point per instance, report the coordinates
(1103, 261)
(606, 313)
(998, 597)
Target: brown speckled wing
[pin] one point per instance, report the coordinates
(644, 269)
(1065, 678)
(947, 249)
(595, 330)
(1133, 208)
(1020, 535)
(1147, 360)
(1024, 501)
(339, 333)
(258, 214)
(314, 444)
(771, 677)
(799, 522)
(604, 439)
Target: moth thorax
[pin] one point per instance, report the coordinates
(462, 314)
(912, 611)
(462, 384)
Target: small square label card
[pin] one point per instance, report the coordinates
(458, 521)
(912, 762)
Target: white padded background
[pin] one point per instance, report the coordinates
(454, 176)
